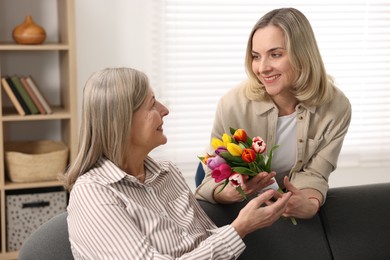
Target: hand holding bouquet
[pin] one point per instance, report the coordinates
(238, 155)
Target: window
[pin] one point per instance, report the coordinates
(201, 48)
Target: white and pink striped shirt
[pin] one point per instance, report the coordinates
(114, 216)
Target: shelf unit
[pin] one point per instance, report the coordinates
(53, 66)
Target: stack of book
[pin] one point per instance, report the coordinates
(25, 95)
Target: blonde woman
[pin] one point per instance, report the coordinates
(289, 100)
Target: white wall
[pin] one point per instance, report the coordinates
(116, 33)
(110, 34)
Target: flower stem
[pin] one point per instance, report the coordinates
(293, 220)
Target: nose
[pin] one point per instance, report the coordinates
(163, 110)
(264, 66)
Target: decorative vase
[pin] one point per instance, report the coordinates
(29, 32)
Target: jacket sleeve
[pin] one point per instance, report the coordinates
(322, 151)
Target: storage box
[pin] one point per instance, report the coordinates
(32, 161)
(28, 210)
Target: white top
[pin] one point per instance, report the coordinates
(285, 156)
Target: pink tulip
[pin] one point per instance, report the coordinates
(215, 162)
(221, 173)
(220, 149)
(258, 144)
(236, 180)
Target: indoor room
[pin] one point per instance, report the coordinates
(193, 52)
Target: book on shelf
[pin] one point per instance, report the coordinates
(33, 95)
(41, 98)
(12, 96)
(18, 96)
(24, 94)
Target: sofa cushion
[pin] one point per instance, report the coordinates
(282, 240)
(357, 221)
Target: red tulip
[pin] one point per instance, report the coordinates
(240, 135)
(248, 155)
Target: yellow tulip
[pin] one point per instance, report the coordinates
(215, 143)
(234, 149)
(226, 139)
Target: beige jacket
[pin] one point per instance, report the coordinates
(320, 134)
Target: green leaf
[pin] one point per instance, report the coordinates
(224, 185)
(268, 166)
(239, 189)
(230, 158)
(244, 170)
(232, 130)
(242, 145)
(260, 163)
(249, 142)
(236, 164)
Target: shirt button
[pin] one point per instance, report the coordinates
(184, 233)
(300, 161)
(300, 140)
(149, 189)
(300, 117)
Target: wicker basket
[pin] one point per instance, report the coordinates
(32, 161)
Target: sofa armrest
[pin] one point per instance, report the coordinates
(357, 221)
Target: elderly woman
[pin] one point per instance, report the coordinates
(124, 204)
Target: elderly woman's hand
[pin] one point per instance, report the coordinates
(251, 186)
(255, 215)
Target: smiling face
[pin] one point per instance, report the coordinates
(146, 127)
(271, 63)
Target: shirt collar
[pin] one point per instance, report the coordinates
(301, 106)
(266, 105)
(108, 172)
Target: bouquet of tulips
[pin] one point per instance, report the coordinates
(238, 155)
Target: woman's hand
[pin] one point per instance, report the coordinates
(303, 204)
(250, 187)
(255, 216)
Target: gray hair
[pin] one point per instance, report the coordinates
(110, 98)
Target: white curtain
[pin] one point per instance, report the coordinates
(198, 52)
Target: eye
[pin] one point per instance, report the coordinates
(255, 56)
(276, 55)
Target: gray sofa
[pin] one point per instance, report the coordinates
(353, 224)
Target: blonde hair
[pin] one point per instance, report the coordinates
(311, 85)
(110, 98)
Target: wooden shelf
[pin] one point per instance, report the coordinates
(41, 47)
(53, 64)
(30, 185)
(58, 113)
